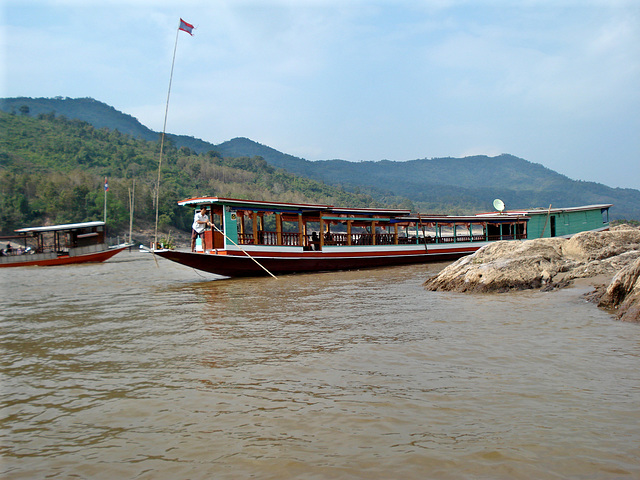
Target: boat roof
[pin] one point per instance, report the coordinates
(52, 228)
(249, 203)
(495, 217)
(542, 210)
(397, 215)
(280, 206)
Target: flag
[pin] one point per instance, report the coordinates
(186, 27)
(106, 185)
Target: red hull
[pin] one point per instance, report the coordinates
(96, 257)
(244, 266)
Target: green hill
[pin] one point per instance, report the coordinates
(52, 170)
(445, 185)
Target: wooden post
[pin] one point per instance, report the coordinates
(278, 228)
(305, 238)
(261, 239)
(254, 218)
(373, 233)
(321, 240)
(300, 230)
(395, 233)
(349, 239)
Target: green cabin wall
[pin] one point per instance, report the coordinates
(230, 225)
(567, 223)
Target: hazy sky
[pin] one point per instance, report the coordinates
(551, 81)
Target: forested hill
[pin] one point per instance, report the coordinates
(444, 185)
(98, 114)
(52, 170)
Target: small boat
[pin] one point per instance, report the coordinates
(253, 238)
(58, 245)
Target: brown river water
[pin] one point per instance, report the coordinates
(130, 370)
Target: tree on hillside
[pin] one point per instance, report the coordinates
(52, 170)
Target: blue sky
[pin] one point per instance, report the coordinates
(554, 82)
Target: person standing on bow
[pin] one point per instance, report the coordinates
(200, 224)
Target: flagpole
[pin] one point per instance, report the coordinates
(132, 195)
(164, 128)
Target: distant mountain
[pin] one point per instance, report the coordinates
(98, 114)
(453, 185)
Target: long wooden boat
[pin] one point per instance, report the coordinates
(252, 238)
(59, 245)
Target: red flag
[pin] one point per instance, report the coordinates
(186, 27)
(106, 185)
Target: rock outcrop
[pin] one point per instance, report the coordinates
(623, 293)
(550, 263)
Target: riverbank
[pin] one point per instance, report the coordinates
(612, 257)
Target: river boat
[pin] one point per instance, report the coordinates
(58, 245)
(253, 238)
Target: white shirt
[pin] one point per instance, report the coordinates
(199, 227)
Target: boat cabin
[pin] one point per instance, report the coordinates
(57, 240)
(314, 227)
(564, 222)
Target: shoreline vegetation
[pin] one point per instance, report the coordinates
(610, 259)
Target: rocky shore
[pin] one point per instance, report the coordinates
(613, 257)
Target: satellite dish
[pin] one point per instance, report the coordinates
(498, 205)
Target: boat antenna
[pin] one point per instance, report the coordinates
(185, 27)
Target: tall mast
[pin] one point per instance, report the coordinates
(185, 27)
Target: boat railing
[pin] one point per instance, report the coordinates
(28, 257)
(292, 239)
(245, 238)
(342, 239)
(518, 236)
(289, 239)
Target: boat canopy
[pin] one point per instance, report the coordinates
(245, 203)
(258, 205)
(54, 228)
(342, 214)
(493, 218)
(542, 210)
